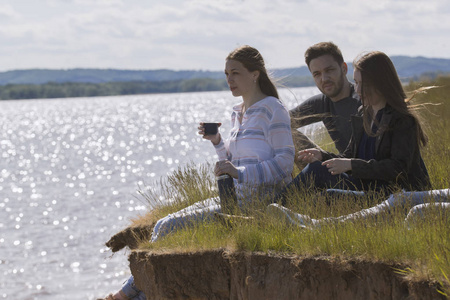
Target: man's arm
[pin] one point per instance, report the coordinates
(308, 112)
(302, 115)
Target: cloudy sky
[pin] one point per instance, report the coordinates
(198, 34)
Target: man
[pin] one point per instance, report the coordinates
(334, 106)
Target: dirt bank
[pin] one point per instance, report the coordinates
(220, 274)
(223, 275)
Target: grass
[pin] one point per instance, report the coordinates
(423, 246)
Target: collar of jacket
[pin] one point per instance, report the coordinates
(358, 127)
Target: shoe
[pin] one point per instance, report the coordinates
(289, 216)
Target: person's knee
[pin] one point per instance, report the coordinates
(313, 171)
(314, 167)
(162, 226)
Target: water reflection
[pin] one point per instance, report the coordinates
(69, 175)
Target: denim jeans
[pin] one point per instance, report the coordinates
(322, 179)
(131, 291)
(417, 201)
(197, 212)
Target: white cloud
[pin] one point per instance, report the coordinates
(7, 12)
(198, 34)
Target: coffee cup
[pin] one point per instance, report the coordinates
(210, 128)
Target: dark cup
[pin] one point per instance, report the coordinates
(227, 193)
(211, 128)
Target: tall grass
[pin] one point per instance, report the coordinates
(423, 246)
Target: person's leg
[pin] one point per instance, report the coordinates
(303, 220)
(418, 211)
(127, 292)
(130, 291)
(199, 211)
(290, 217)
(319, 176)
(399, 199)
(426, 200)
(394, 200)
(419, 197)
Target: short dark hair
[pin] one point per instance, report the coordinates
(323, 48)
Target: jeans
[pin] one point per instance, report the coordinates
(321, 179)
(131, 291)
(417, 200)
(197, 212)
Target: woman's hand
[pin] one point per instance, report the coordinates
(225, 167)
(310, 155)
(214, 138)
(338, 165)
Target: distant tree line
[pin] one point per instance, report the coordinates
(86, 89)
(76, 89)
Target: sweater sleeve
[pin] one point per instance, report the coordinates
(222, 151)
(280, 166)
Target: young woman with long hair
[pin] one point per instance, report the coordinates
(259, 153)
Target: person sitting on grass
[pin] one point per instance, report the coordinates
(384, 152)
(336, 103)
(259, 152)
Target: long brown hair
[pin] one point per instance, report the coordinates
(378, 74)
(252, 60)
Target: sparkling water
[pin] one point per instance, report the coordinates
(70, 171)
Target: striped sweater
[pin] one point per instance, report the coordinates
(260, 147)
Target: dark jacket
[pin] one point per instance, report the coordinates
(397, 153)
(334, 115)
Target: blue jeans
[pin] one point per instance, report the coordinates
(197, 212)
(417, 201)
(319, 176)
(131, 291)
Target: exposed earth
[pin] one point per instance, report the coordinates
(222, 274)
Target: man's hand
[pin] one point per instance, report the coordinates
(310, 155)
(338, 165)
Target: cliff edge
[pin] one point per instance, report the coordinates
(222, 274)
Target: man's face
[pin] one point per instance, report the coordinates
(329, 76)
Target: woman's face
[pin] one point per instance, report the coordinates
(371, 96)
(239, 79)
(358, 81)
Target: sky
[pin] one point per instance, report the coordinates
(198, 34)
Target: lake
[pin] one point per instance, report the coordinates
(70, 171)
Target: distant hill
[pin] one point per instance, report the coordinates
(407, 67)
(42, 76)
(45, 83)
